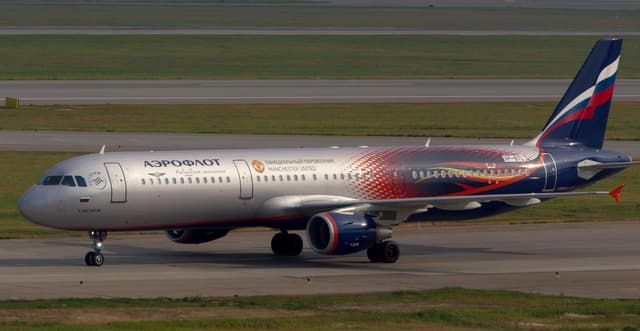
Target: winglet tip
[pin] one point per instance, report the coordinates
(615, 193)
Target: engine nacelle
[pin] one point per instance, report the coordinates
(341, 234)
(191, 236)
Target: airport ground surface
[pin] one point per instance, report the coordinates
(299, 91)
(576, 259)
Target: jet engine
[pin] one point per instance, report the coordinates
(191, 236)
(341, 234)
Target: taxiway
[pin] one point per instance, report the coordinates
(577, 259)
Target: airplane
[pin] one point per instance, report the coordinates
(346, 199)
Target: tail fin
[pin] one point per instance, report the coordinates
(581, 116)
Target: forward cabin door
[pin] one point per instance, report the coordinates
(551, 170)
(244, 176)
(117, 181)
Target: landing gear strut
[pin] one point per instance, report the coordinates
(287, 244)
(95, 258)
(385, 251)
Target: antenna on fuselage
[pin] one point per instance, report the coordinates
(511, 144)
(428, 142)
(102, 149)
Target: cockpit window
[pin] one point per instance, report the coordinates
(52, 180)
(68, 181)
(81, 181)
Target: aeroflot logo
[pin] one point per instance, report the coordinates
(182, 163)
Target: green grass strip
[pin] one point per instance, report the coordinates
(308, 57)
(471, 120)
(445, 309)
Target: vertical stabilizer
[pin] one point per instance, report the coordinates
(581, 116)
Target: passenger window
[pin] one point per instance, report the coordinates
(181, 180)
(68, 181)
(190, 180)
(315, 177)
(220, 179)
(166, 181)
(295, 177)
(52, 180)
(159, 181)
(197, 180)
(213, 180)
(326, 176)
(266, 178)
(81, 181)
(143, 182)
(228, 179)
(258, 178)
(288, 178)
(204, 180)
(174, 181)
(303, 177)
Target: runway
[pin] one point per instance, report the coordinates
(290, 31)
(298, 91)
(90, 142)
(576, 259)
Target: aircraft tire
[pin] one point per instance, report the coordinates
(390, 252)
(98, 259)
(293, 244)
(277, 243)
(89, 258)
(289, 244)
(374, 253)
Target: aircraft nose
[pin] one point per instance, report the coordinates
(30, 206)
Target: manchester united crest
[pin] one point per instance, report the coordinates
(259, 166)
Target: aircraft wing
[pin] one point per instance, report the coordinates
(321, 203)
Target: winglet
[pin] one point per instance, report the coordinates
(615, 193)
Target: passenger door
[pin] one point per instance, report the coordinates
(245, 179)
(118, 182)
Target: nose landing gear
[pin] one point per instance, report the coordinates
(95, 258)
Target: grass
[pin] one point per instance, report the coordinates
(289, 13)
(475, 120)
(441, 309)
(304, 57)
(26, 167)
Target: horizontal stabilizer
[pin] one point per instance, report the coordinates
(588, 168)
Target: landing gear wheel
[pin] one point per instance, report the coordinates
(95, 258)
(387, 252)
(287, 244)
(98, 260)
(89, 258)
(374, 254)
(390, 252)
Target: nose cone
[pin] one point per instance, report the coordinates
(31, 206)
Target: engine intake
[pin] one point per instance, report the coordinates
(190, 236)
(341, 234)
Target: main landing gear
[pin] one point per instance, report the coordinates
(286, 244)
(95, 258)
(385, 251)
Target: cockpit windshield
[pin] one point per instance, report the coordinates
(66, 180)
(51, 180)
